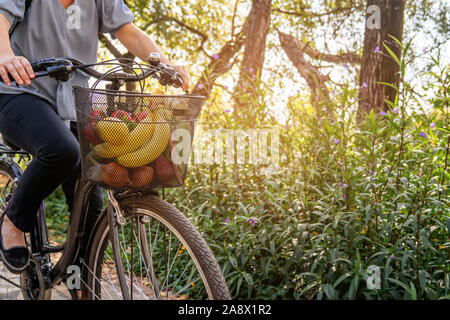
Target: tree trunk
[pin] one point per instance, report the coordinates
(256, 31)
(377, 64)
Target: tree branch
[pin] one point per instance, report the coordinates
(315, 80)
(348, 57)
(220, 66)
(350, 9)
(108, 44)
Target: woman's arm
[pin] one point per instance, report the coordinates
(141, 45)
(18, 67)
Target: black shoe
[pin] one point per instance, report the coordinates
(15, 259)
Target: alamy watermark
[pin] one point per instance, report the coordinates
(374, 17)
(259, 147)
(73, 17)
(73, 277)
(374, 279)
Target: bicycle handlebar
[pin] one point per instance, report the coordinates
(61, 68)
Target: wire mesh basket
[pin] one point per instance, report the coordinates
(135, 140)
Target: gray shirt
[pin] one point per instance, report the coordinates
(49, 30)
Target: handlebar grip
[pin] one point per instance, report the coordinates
(178, 83)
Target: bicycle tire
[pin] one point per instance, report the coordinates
(47, 294)
(188, 234)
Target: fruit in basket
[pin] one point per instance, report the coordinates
(122, 115)
(163, 169)
(140, 135)
(113, 131)
(94, 172)
(96, 115)
(141, 177)
(151, 149)
(90, 133)
(141, 115)
(166, 112)
(114, 175)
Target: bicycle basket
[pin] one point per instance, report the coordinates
(135, 140)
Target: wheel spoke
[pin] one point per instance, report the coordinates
(164, 267)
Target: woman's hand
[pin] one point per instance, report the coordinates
(184, 76)
(19, 68)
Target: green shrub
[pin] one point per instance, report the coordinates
(347, 197)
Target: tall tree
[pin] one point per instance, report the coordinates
(257, 28)
(384, 21)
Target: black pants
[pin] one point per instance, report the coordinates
(32, 124)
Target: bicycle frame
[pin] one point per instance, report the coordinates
(75, 233)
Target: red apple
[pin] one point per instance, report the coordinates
(163, 169)
(90, 133)
(142, 115)
(122, 115)
(96, 115)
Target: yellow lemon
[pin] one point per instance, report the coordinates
(113, 131)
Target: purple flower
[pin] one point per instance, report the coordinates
(395, 111)
(377, 49)
(340, 184)
(216, 56)
(253, 77)
(365, 85)
(367, 104)
(225, 87)
(245, 116)
(345, 196)
(227, 110)
(251, 70)
(213, 113)
(424, 50)
(423, 134)
(370, 172)
(392, 257)
(337, 141)
(251, 221)
(433, 125)
(200, 86)
(360, 269)
(227, 220)
(345, 65)
(228, 66)
(382, 113)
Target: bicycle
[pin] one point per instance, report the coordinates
(141, 247)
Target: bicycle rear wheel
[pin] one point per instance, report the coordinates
(162, 255)
(29, 284)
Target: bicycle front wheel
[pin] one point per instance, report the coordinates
(161, 256)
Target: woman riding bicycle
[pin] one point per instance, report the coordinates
(36, 115)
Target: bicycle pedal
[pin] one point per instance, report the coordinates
(53, 249)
